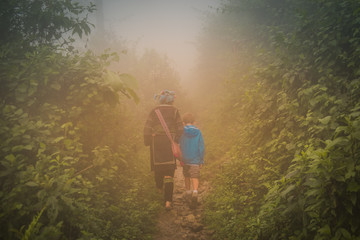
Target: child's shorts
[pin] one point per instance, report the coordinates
(191, 171)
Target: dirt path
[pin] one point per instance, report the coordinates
(182, 222)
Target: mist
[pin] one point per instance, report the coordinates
(169, 27)
(274, 87)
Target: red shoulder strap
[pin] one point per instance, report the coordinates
(163, 124)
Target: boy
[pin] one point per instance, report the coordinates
(193, 149)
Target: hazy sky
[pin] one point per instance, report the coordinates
(169, 26)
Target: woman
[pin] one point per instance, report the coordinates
(162, 159)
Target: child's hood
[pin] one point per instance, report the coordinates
(191, 131)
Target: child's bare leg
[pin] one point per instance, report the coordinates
(187, 183)
(195, 183)
(194, 198)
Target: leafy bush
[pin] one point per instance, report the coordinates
(69, 166)
(64, 148)
(294, 173)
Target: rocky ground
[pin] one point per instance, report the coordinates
(183, 222)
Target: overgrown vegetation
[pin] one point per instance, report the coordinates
(70, 165)
(291, 105)
(280, 86)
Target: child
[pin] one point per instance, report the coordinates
(193, 149)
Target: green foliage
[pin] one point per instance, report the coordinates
(43, 22)
(70, 167)
(30, 230)
(318, 196)
(65, 147)
(294, 173)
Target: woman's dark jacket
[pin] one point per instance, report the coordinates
(161, 156)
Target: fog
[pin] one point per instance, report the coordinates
(170, 27)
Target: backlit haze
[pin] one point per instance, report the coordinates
(168, 26)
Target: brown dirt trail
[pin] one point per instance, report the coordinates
(183, 222)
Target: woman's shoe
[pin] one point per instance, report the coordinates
(168, 205)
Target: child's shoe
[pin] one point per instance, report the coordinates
(187, 196)
(194, 198)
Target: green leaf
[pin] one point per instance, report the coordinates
(325, 230)
(32, 227)
(287, 190)
(28, 147)
(341, 129)
(129, 80)
(312, 193)
(17, 148)
(31, 184)
(133, 95)
(339, 178)
(11, 158)
(355, 114)
(345, 233)
(58, 139)
(312, 182)
(340, 141)
(325, 120)
(115, 81)
(353, 187)
(19, 112)
(18, 205)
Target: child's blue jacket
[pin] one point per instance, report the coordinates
(192, 145)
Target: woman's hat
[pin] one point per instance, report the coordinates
(165, 97)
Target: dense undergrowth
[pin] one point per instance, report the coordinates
(71, 165)
(293, 113)
(282, 131)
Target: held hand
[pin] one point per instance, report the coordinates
(181, 162)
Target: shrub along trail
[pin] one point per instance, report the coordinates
(183, 222)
